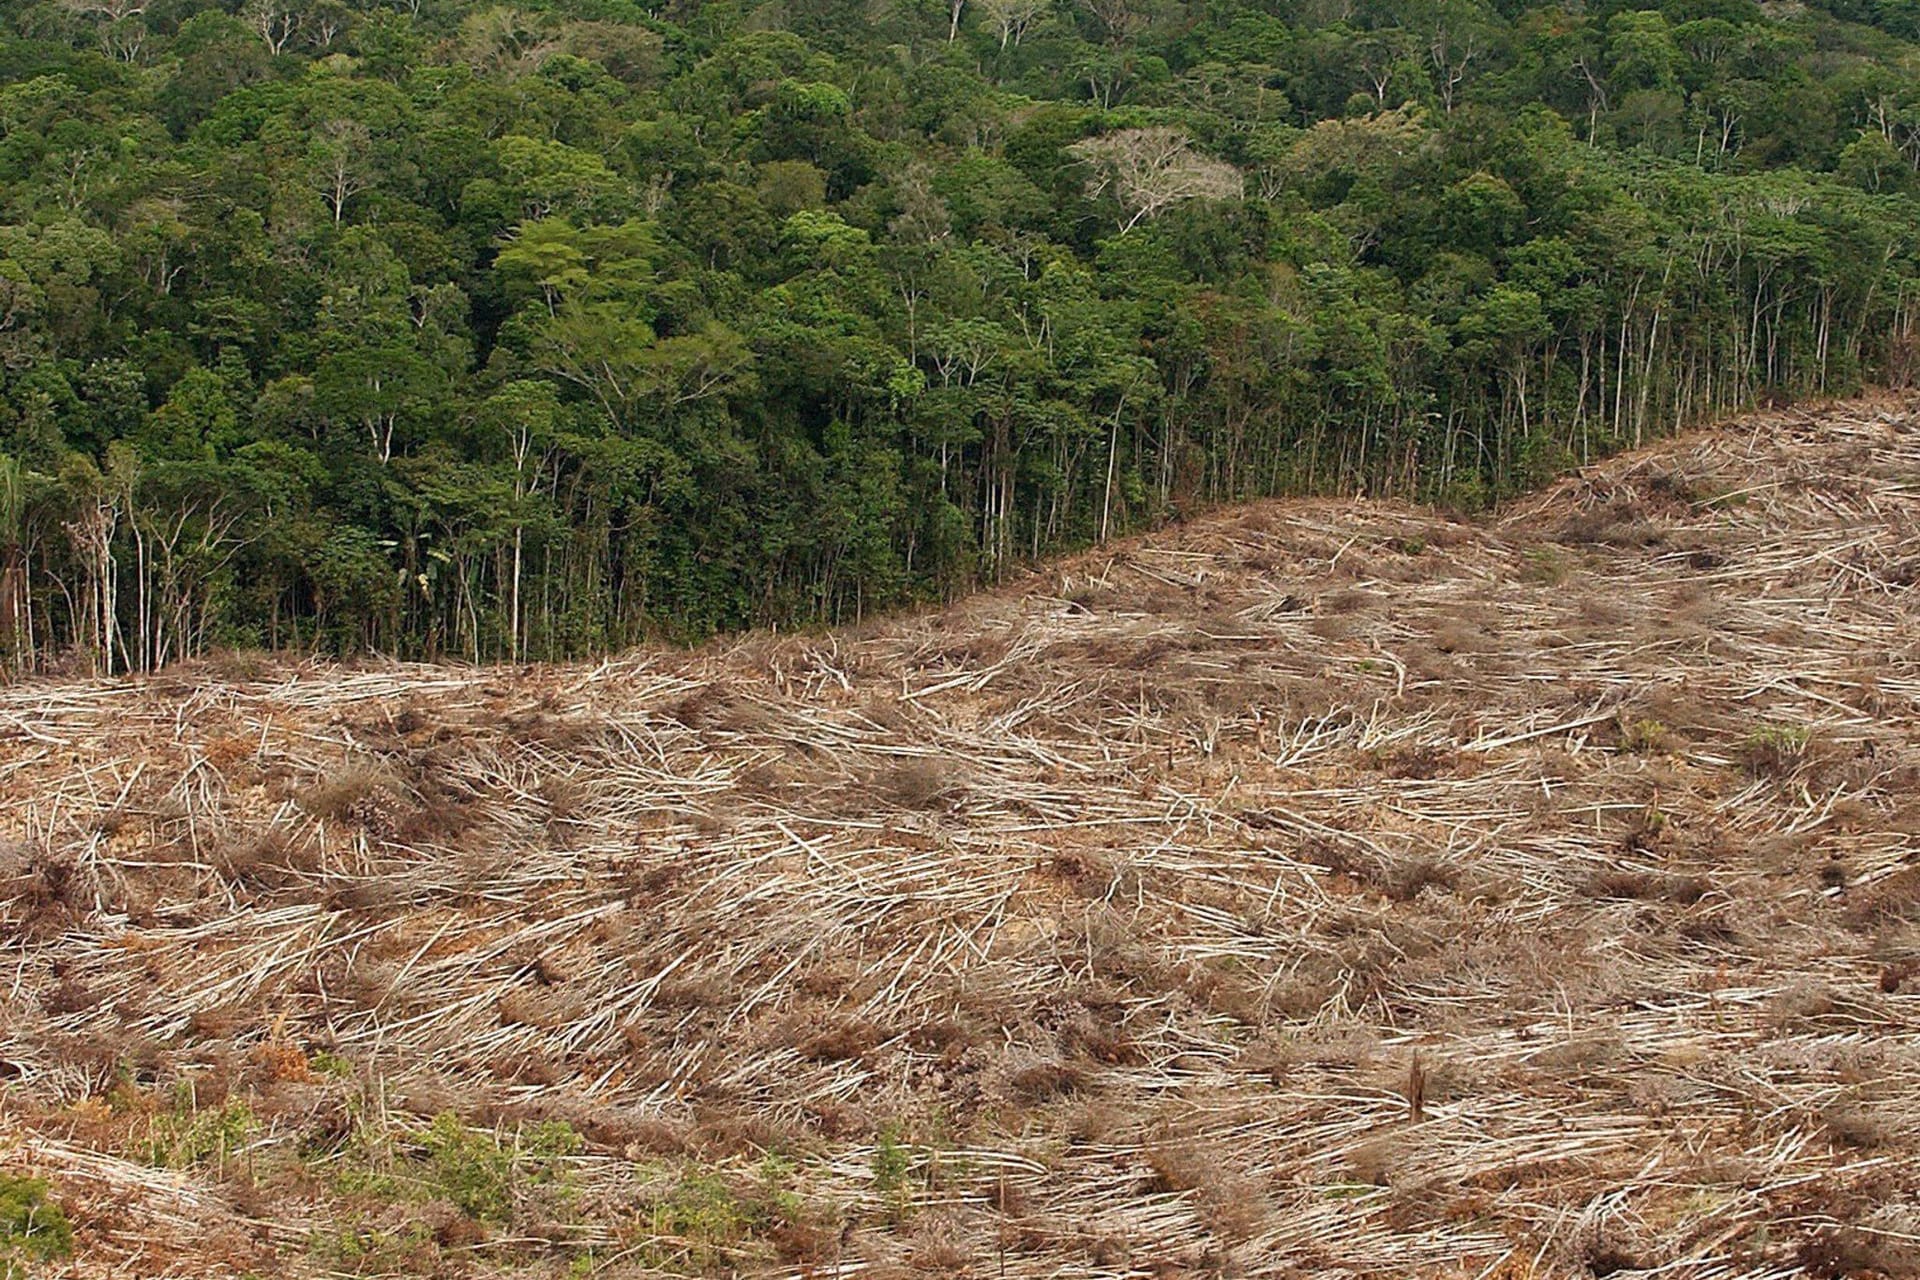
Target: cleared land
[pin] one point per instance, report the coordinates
(1321, 888)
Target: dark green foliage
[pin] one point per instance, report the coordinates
(496, 332)
(482, 1173)
(33, 1229)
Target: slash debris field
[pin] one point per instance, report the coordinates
(1321, 888)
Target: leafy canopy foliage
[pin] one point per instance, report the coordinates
(513, 331)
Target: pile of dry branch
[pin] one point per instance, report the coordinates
(1318, 889)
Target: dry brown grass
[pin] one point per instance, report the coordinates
(1317, 889)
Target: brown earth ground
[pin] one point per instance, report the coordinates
(1318, 889)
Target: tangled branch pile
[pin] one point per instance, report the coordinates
(1322, 888)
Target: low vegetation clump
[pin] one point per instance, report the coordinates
(186, 1135)
(1646, 737)
(1273, 909)
(1775, 749)
(33, 1228)
(481, 1173)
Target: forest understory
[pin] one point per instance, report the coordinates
(1319, 888)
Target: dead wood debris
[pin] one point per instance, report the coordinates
(1322, 888)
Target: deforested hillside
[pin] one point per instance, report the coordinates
(1322, 888)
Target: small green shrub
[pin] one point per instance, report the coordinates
(33, 1228)
(472, 1169)
(1775, 749)
(189, 1136)
(482, 1173)
(328, 1063)
(1467, 493)
(359, 1246)
(781, 1200)
(1646, 737)
(703, 1217)
(547, 1142)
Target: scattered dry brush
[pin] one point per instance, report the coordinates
(1318, 889)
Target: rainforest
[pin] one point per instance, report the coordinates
(482, 332)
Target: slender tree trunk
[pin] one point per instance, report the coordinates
(1113, 459)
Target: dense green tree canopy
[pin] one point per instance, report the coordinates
(513, 331)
